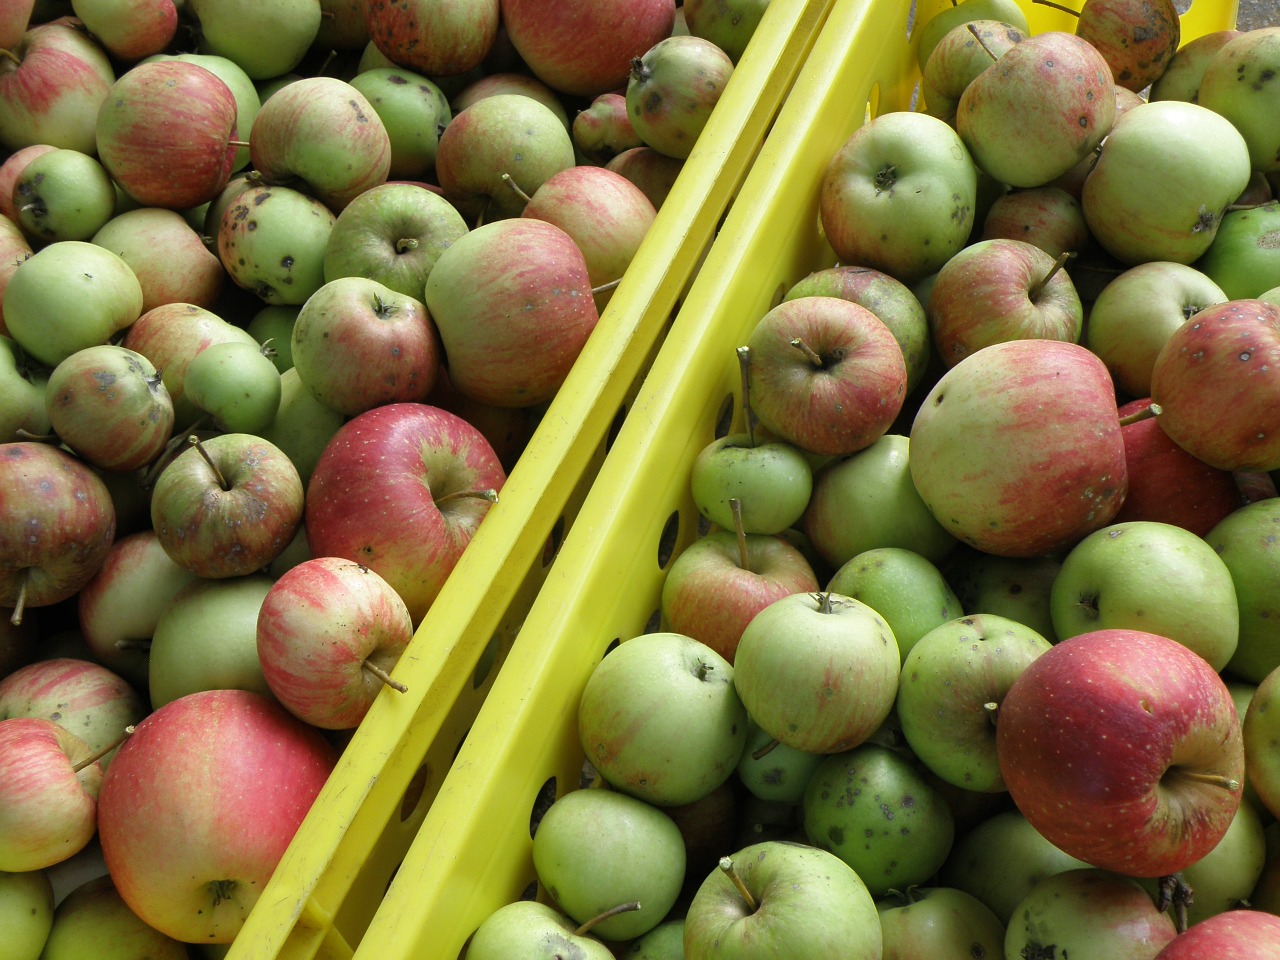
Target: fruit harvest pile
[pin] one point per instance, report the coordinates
(975, 651)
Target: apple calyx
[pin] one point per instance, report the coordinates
(1175, 893)
(744, 557)
(824, 601)
(640, 71)
(221, 890)
(1038, 287)
(385, 677)
(744, 371)
(507, 179)
(628, 907)
(1150, 410)
(491, 495)
(99, 754)
(727, 868)
(195, 442)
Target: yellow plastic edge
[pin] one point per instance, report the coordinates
(472, 851)
(355, 817)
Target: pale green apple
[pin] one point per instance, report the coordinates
(237, 384)
(1015, 587)
(272, 241)
(663, 942)
(1244, 258)
(302, 425)
(93, 920)
(529, 930)
(23, 387)
(940, 923)
(1236, 84)
(63, 195)
(773, 771)
(265, 39)
(1245, 540)
(272, 326)
(1182, 76)
(771, 480)
(949, 17)
(26, 914)
(414, 111)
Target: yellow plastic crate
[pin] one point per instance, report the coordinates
(472, 852)
(325, 891)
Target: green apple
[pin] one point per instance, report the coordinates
(263, 39)
(729, 24)
(1017, 588)
(529, 930)
(867, 501)
(69, 295)
(950, 690)
(302, 425)
(23, 386)
(273, 326)
(1245, 541)
(771, 480)
(1001, 859)
(93, 920)
(1145, 575)
(956, 59)
(237, 384)
(1182, 75)
(903, 587)
(948, 18)
(941, 923)
(26, 914)
(672, 90)
(595, 849)
(773, 771)
(272, 241)
(1244, 258)
(659, 717)
(663, 942)
(788, 900)
(63, 195)
(207, 639)
(874, 810)
(1235, 85)
(414, 111)
(817, 671)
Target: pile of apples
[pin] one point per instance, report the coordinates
(978, 656)
(284, 288)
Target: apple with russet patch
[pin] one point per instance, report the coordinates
(672, 90)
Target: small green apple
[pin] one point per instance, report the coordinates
(941, 923)
(26, 914)
(771, 480)
(237, 384)
(1245, 540)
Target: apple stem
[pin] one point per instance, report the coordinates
(11, 57)
(629, 907)
(992, 709)
(982, 43)
(1057, 6)
(491, 495)
(195, 442)
(385, 677)
(1038, 288)
(320, 71)
(726, 867)
(26, 434)
(267, 348)
(1150, 410)
(735, 508)
(405, 244)
(21, 603)
(237, 143)
(605, 287)
(506, 178)
(765, 750)
(1212, 779)
(744, 370)
(808, 352)
(94, 758)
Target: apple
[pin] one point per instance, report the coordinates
(272, 241)
(241, 86)
(26, 913)
(86, 698)
(93, 917)
(51, 87)
(1137, 40)
(227, 506)
(1234, 85)
(329, 633)
(191, 875)
(57, 523)
(874, 810)
(639, 705)
(414, 112)
(1234, 935)
(70, 295)
(950, 691)
(1162, 182)
(585, 47)
(206, 639)
(997, 290)
(164, 133)
(672, 90)
(826, 374)
(302, 426)
(402, 489)
(773, 772)
(528, 927)
(1242, 259)
(129, 29)
(110, 406)
(325, 133)
(1124, 749)
(729, 25)
(899, 195)
(167, 256)
(513, 305)
(719, 582)
(798, 899)
(936, 27)
(903, 587)
(49, 782)
(264, 39)
(236, 384)
(771, 481)
(957, 58)
(817, 671)
(602, 129)
(1048, 217)
(1017, 448)
(1213, 382)
(392, 233)
(23, 385)
(1088, 912)
(16, 18)
(663, 942)
(63, 195)
(11, 169)
(118, 609)
(867, 501)
(595, 849)
(1243, 540)
(942, 923)
(435, 39)
(1137, 311)
(1185, 69)
(653, 172)
(492, 84)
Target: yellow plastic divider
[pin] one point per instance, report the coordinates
(332, 878)
(472, 852)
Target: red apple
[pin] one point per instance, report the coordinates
(1124, 749)
(401, 489)
(438, 39)
(1234, 935)
(168, 257)
(129, 29)
(11, 171)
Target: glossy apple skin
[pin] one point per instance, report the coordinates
(200, 804)
(373, 496)
(1217, 381)
(57, 522)
(1092, 737)
(1234, 935)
